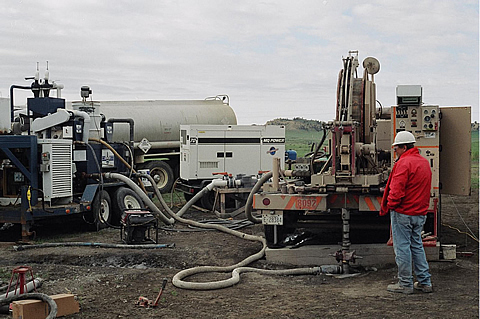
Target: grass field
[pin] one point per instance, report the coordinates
(474, 160)
(301, 141)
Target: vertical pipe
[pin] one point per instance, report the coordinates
(346, 239)
(276, 173)
(275, 235)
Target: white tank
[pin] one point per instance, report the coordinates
(160, 120)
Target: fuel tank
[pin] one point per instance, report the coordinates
(160, 120)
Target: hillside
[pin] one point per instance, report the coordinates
(298, 123)
(300, 133)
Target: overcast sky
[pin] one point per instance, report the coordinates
(273, 58)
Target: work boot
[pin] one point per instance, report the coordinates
(401, 289)
(422, 287)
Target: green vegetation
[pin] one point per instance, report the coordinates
(475, 160)
(300, 134)
(172, 199)
(301, 141)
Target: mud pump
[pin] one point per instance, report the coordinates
(340, 186)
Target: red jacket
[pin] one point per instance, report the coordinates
(408, 186)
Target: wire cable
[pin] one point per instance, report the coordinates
(471, 232)
(461, 232)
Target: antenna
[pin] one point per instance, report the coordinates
(47, 74)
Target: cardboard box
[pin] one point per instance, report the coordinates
(37, 309)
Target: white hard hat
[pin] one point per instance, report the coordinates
(404, 137)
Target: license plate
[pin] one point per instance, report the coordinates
(272, 218)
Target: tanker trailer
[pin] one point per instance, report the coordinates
(156, 129)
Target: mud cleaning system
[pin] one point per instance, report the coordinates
(334, 196)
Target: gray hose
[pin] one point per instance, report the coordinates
(142, 195)
(192, 201)
(187, 206)
(236, 269)
(83, 244)
(30, 286)
(51, 303)
(248, 204)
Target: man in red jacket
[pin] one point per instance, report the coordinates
(407, 197)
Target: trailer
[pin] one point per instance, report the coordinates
(53, 160)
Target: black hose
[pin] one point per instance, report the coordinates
(43, 200)
(39, 296)
(12, 106)
(100, 215)
(86, 244)
(316, 151)
(230, 224)
(347, 87)
(342, 93)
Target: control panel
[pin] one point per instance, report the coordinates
(423, 121)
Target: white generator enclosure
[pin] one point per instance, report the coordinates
(234, 149)
(57, 170)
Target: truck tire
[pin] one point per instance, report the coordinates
(162, 173)
(207, 201)
(102, 210)
(125, 199)
(270, 236)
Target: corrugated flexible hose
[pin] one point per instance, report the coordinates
(238, 268)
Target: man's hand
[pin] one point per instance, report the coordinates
(383, 211)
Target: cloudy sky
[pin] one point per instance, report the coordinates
(273, 58)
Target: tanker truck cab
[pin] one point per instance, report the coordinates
(213, 151)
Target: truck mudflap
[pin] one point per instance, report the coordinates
(89, 193)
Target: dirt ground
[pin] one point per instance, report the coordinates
(107, 282)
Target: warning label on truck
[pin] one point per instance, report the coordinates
(273, 140)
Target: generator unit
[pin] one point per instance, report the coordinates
(209, 151)
(136, 227)
(235, 149)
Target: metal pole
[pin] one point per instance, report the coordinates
(346, 240)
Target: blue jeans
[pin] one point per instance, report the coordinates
(408, 247)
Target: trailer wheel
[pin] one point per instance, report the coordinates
(162, 173)
(125, 199)
(102, 209)
(188, 196)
